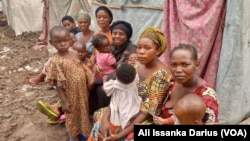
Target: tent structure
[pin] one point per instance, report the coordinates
(224, 52)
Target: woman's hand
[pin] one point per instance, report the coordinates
(105, 130)
(158, 120)
(111, 138)
(97, 69)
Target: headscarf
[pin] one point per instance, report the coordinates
(104, 8)
(84, 15)
(157, 36)
(124, 26)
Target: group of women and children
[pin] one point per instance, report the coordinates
(103, 74)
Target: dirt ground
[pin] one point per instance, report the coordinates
(19, 118)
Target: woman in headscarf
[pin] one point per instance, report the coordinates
(86, 34)
(121, 48)
(154, 81)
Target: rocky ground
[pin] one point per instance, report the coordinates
(19, 118)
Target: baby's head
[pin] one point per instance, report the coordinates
(80, 47)
(190, 109)
(101, 43)
(132, 58)
(59, 38)
(125, 73)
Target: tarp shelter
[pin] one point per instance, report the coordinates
(233, 61)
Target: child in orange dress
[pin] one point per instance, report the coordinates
(69, 76)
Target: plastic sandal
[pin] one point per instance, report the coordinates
(51, 121)
(43, 109)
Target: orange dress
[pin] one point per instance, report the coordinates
(73, 76)
(108, 34)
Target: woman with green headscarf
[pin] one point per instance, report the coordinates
(154, 81)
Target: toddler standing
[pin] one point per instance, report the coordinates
(69, 76)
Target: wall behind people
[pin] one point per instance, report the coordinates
(140, 13)
(233, 77)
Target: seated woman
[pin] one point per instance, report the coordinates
(69, 23)
(154, 80)
(121, 48)
(84, 21)
(104, 18)
(183, 65)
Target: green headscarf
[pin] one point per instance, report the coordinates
(157, 36)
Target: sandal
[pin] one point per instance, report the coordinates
(51, 121)
(45, 110)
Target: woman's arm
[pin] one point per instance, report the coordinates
(162, 121)
(130, 128)
(105, 123)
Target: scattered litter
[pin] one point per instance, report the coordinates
(31, 69)
(5, 49)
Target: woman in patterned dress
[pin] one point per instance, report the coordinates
(183, 66)
(154, 80)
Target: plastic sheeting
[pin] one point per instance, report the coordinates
(140, 13)
(233, 77)
(23, 15)
(26, 15)
(60, 8)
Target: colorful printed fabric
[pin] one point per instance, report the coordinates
(210, 99)
(153, 91)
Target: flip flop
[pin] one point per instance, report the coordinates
(43, 109)
(51, 121)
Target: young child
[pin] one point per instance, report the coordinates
(69, 76)
(105, 60)
(53, 111)
(190, 109)
(132, 59)
(69, 23)
(125, 101)
(81, 49)
(41, 76)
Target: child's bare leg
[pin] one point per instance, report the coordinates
(37, 79)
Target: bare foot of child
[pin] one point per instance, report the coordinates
(54, 108)
(36, 79)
